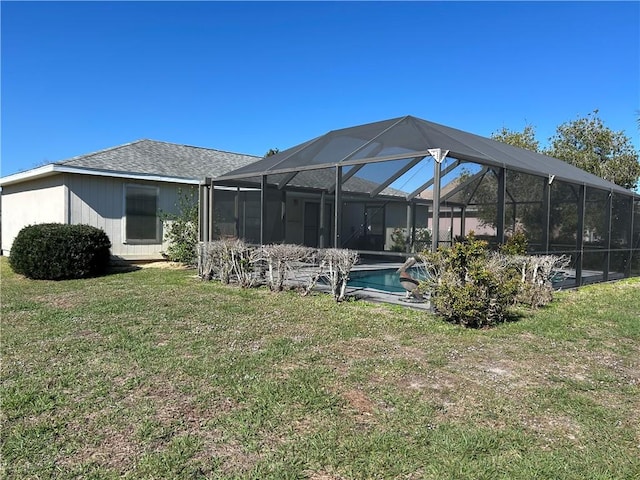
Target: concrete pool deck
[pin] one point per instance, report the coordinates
(399, 298)
(380, 296)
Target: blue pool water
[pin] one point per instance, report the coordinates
(387, 280)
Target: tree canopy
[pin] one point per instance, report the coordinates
(589, 144)
(586, 143)
(525, 139)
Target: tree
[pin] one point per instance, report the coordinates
(271, 152)
(588, 144)
(525, 139)
(520, 187)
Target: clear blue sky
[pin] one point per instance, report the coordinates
(79, 77)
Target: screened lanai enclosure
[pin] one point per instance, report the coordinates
(400, 186)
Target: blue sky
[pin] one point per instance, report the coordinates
(245, 77)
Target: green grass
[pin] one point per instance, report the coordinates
(155, 374)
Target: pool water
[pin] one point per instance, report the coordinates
(387, 280)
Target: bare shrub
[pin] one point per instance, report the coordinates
(536, 274)
(336, 264)
(228, 260)
(282, 259)
(313, 271)
(246, 262)
(215, 260)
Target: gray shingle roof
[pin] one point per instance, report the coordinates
(151, 157)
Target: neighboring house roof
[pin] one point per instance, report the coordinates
(411, 137)
(445, 189)
(145, 159)
(319, 179)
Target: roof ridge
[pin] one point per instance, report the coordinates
(91, 154)
(141, 140)
(198, 147)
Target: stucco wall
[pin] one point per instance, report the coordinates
(29, 203)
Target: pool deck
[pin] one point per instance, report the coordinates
(380, 296)
(400, 299)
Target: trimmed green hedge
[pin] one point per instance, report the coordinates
(53, 251)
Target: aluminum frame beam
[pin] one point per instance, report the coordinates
(426, 185)
(395, 176)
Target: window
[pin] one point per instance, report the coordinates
(142, 224)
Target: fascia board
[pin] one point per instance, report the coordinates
(53, 169)
(39, 172)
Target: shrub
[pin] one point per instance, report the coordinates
(536, 274)
(53, 251)
(516, 244)
(336, 263)
(226, 259)
(215, 260)
(276, 265)
(247, 264)
(475, 287)
(468, 283)
(422, 240)
(398, 240)
(181, 229)
(282, 259)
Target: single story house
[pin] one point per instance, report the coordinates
(377, 187)
(120, 189)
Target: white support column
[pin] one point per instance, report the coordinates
(438, 155)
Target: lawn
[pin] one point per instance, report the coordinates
(155, 374)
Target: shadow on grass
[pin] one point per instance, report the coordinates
(115, 269)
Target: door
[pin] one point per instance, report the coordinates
(374, 227)
(311, 224)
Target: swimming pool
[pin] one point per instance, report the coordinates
(386, 279)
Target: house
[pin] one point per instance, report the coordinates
(120, 189)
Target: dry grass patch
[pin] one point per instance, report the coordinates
(62, 300)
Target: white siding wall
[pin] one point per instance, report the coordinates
(29, 203)
(99, 201)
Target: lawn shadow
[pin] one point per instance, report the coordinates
(120, 265)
